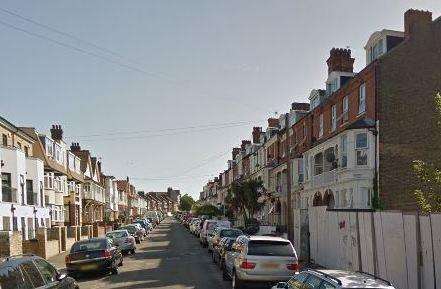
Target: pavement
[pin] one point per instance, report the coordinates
(171, 258)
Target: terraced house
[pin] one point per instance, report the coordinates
(93, 199)
(22, 207)
(355, 140)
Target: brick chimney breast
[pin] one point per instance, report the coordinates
(273, 122)
(414, 17)
(75, 147)
(340, 60)
(56, 132)
(235, 152)
(256, 134)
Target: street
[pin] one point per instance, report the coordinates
(170, 258)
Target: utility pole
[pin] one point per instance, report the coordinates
(289, 222)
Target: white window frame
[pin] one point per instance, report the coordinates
(361, 150)
(362, 99)
(344, 150)
(345, 111)
(334, 117)
(321, 125)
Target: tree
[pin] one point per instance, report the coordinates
(242, 198)
(186, 203)
(205, 209)
(428, 192)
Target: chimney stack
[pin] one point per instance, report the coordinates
(75, 147)
(300, 106)
(244, 144)
(340, 60)
(235, 152)
(273, 122)
(56, 132)
(256, 134)
(414, 17)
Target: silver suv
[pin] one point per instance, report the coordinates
(333, 279)
(260, 259)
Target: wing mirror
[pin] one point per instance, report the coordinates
(61, 276)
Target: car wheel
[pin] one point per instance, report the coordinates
(121, 262)
(138, 241)
(132, 251)
(114, 270)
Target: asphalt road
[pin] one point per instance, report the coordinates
(171, 258)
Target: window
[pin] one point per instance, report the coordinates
(300, 170)
(19, 145)
(41, 194)
(362, 99)
(7, 190)
(321, 125)
(31, 271)
(6, 223)
(344, 151)
(345, 113)
(47, 271)
(30, 195)
(297, 281)
(306, 167)
(361, 145)
(270, 248)
(334, 117)
(49, 147)
(313, 281)
(26, 150)
(22, 189)
(11, 277)
(305, 131)
(318, 164)
(365, 197)
(326, 285)
(4, 140)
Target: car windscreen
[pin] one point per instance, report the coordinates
(118, 234)
(231, 233)
(270, 248)
(89, 246)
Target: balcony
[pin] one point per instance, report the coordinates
(324, 179)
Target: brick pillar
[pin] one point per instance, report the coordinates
(10, 243)
(42, 241)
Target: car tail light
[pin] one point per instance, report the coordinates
(293, 266)
(247, 265)
(67, 259)
(106, 254)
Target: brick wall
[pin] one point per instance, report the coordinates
(408, 78)
(10, 243)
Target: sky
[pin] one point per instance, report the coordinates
(162, 90)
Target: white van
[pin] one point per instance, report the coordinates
(209, 225)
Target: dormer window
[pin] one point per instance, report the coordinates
(380, 42)
(332, 85)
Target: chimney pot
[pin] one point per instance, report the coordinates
(256, 134)
(56, 132)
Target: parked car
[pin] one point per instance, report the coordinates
(221, 250)
(260, 259)
(143, 232)
(222, 233)
(95, 254)
(123, 240)
(134, 232)
(144, 224)
(30, 271)
(334, 279)
(209, 225)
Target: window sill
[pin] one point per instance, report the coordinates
(361, 113)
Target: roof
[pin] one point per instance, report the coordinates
(121, 185)
(267, 238)
(350, 279)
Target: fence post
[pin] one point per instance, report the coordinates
(419, 250)
(374, 245)
(360, 266)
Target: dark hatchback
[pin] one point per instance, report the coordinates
(29, 271)
(93, 255)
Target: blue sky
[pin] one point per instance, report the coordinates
(180, 64)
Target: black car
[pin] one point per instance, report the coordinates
(29, 271)
(95, 254)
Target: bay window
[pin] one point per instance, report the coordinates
(361, 149)
(334, 117)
